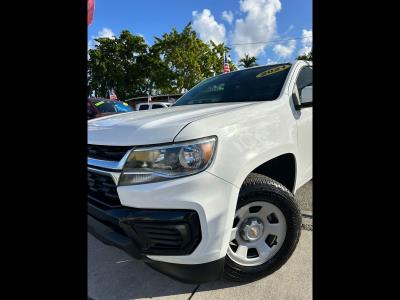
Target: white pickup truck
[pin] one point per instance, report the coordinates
(205, 188)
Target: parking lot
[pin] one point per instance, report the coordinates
(112, 274)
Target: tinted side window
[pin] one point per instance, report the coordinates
(157, 106)
(304, 79)
(144, 107)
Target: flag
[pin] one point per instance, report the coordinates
(226, 65)
(90, 11)
(113, 96)
(148, 98)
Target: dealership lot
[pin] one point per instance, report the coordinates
(112, 274)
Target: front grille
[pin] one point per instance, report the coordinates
(111, 153)
(102, 189)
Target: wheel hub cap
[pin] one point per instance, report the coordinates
(258, 233)
(252, 229)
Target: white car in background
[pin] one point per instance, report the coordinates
(152, 105)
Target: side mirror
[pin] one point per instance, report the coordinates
(306, 97)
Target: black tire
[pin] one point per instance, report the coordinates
(258, 187)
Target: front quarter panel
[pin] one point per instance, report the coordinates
(247, 137)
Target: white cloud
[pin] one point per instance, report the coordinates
(208, 29)
(227, 16)
(271, 62)
(259, 25)
(102, 33)
(285, 51)
(91, 43)
(306, 42)
(106, 33)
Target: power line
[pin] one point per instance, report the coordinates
(270, 42)
(273, 41)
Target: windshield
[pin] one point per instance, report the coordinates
(112, 107)
(254, 84)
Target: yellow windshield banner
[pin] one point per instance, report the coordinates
(99, 103)
(126, 104)
(273, 71)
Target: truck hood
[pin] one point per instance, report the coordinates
(152, 126)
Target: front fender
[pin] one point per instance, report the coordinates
(247, 137)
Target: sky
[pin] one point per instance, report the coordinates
(284, 27)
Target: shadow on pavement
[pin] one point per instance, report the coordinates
(114, 275)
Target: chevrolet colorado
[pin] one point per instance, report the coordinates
(204, 189)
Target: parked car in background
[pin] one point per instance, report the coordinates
(152, 105)
(102, 107)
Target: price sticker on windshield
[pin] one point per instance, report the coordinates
(99, 103)
(273, 71)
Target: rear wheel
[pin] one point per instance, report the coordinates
(265, 232)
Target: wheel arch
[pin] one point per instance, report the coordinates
(282, 168)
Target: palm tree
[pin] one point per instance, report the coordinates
(248, 61)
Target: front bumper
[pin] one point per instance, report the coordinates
(119, 228)
(212, 199)
(150, 231)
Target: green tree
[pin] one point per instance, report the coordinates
(120, 63)
(176, 62)
(306, 56)
(188, 59)
(248, 61)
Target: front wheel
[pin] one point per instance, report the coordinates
(265, 232)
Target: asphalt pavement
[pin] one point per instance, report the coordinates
(304, 197)
(112, 274)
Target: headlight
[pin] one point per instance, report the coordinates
(160, 163)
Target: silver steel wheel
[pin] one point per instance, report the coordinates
(258, 233)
